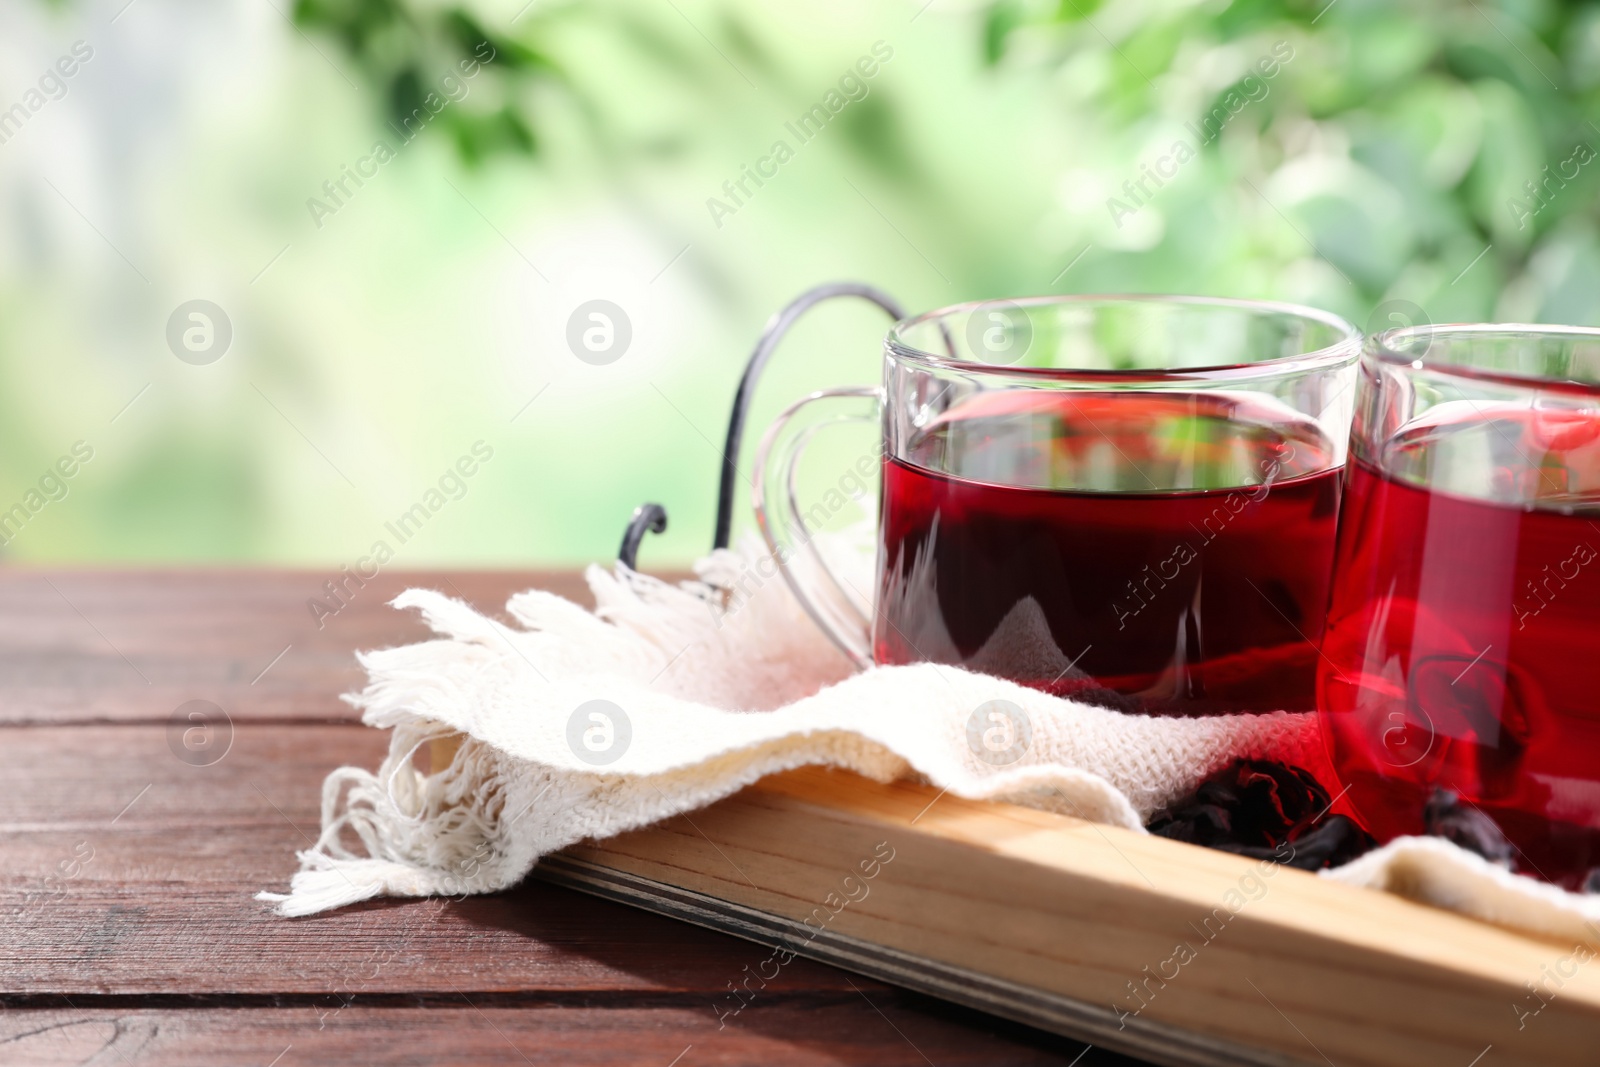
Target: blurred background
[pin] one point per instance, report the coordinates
(277, 266)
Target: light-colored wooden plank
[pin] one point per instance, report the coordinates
(1178, 953)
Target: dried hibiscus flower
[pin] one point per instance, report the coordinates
(1253, 806)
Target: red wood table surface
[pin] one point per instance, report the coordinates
(129, 932)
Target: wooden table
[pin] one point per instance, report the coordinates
(128, 928)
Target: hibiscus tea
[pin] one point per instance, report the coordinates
(1463, 641)
(1155, 552)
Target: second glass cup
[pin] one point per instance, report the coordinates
(1129, 500)
(1460, 656)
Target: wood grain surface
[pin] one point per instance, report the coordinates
(1184, 954)
(128, 928)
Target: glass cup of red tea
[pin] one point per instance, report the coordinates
(1462, 649)
(1127, 500)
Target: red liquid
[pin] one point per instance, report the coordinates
(1463, 651)
(1017, 544)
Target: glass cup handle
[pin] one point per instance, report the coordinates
(837, 607)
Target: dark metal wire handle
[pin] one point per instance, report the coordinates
(653, 517)
(647, 518)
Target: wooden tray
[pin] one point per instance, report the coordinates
(1177, 954)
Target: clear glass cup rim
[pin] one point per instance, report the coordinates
(1344, 351)
(1381, 346)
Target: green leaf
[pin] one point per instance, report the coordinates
(998, 22)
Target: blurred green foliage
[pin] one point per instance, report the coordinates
(1434, 129)
(1382, 159)
(402, 46)
(1458, 126)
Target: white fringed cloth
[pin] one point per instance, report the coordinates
(717, 690)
